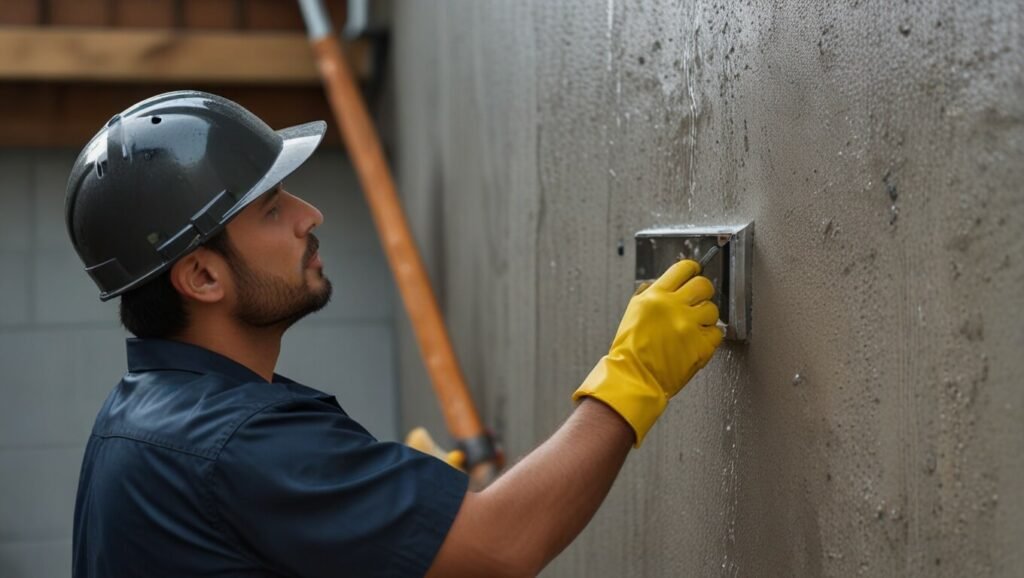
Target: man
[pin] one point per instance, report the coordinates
(203, 461)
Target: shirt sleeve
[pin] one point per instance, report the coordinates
(309, 492)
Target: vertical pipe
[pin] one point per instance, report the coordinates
(364, 148)
(357, 18)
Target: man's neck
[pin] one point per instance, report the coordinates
(256, 349)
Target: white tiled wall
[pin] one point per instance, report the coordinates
(61, 349)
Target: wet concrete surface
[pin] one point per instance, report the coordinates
(874, 425)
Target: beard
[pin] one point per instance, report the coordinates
(267, 300)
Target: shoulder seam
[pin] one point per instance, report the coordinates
(150, 442)
(229, 432)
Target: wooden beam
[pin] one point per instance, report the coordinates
(148, 56)
(47, 115)
(22, 12)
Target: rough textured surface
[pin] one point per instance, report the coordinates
(878, 147)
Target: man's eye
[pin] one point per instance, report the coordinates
(272, 212)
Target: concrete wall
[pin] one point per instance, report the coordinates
(877, 145)
(61, 350)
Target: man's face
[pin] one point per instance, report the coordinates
(278, 276)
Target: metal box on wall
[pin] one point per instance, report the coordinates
(729, 270)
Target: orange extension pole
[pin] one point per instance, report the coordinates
(363, 145)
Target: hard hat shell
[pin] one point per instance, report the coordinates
(167, 174)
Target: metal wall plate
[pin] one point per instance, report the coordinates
(729, 270)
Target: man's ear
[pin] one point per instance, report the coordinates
(200, 275)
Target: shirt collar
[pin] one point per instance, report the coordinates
(164, 354)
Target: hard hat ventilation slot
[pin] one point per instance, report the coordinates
(101, 167)
(155, 119)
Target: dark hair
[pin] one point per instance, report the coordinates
(156, 309)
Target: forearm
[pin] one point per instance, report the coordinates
(515, 527)
(530, 514)
(546, 499)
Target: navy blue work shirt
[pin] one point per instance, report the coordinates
(196, 466)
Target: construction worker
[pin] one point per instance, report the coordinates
(203, 461)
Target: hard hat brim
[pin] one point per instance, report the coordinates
(298, 144)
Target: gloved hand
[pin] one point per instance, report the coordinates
(419, 439)
(667, 334)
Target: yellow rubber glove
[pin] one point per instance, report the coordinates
(667, 334)
(419, 439)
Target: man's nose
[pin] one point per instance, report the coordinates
(311, 218)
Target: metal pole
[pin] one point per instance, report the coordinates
(363, 145)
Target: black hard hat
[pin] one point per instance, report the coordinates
(167, 174)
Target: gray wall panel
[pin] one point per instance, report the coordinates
(63, 293)
(32, 477)
(876, 145)
(16, 305)
(36, 558)
(56, 381)
(49, 177)
(16, 231)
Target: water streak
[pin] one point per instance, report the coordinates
(611, 22)
(690, 57)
